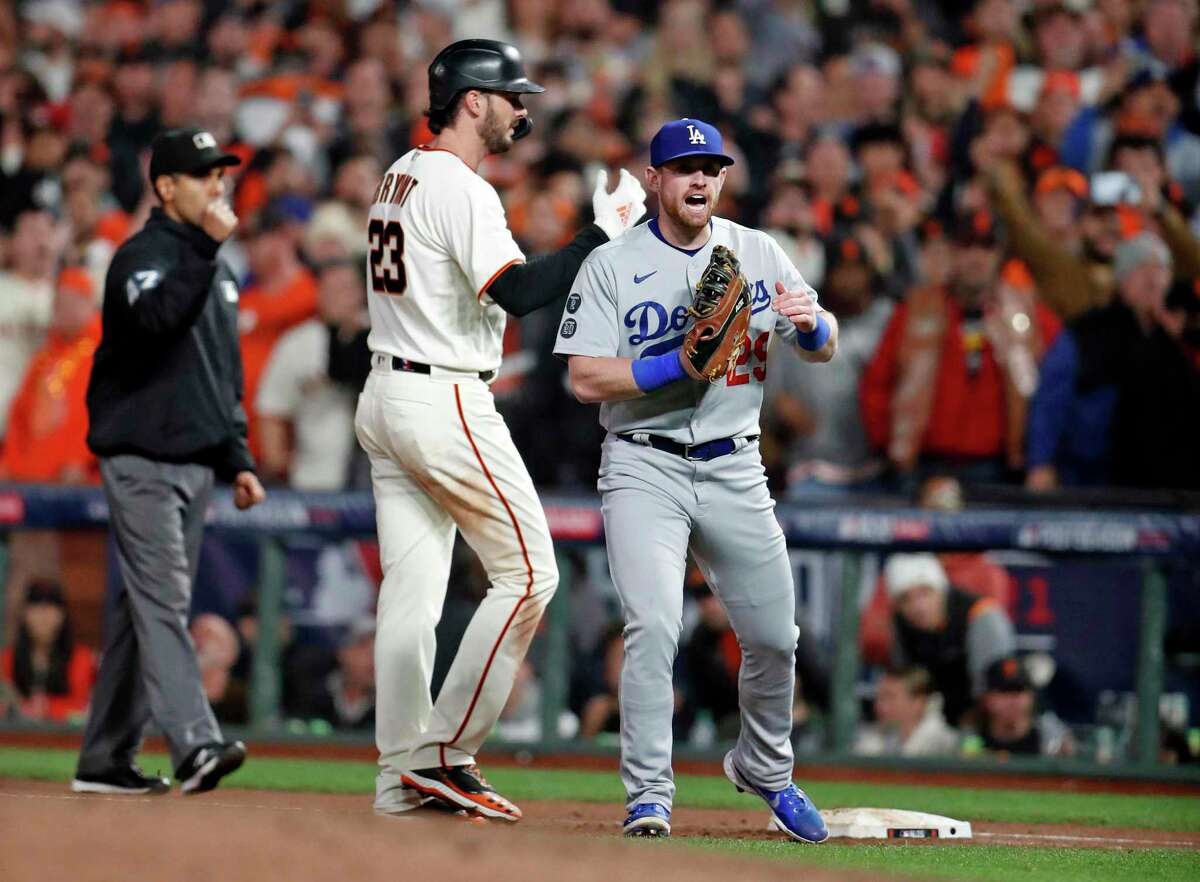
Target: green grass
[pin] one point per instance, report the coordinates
(980, 863)
(975, 863)
(1172, 813)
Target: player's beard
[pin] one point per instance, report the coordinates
(497, 138)
(689, 221)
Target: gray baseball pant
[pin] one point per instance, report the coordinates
(148, 669)
(657, 506)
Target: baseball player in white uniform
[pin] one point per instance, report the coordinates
(681, 471)
(444, 270)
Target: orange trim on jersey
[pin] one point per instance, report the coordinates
(528, 585)
(495, 276)
(984, 604)
(429, 148)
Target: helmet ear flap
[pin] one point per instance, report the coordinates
(523, 127)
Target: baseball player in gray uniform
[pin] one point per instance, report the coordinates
(680, 470)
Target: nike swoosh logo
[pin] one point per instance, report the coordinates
(637, 280)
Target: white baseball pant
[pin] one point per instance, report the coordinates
(442, 459)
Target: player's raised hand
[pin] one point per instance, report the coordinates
(796, 305)
(619, 210)
(218, 220)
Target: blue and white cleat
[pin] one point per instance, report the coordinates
(792, 810)
(649, 820)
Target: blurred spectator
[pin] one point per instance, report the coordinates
(305, 419)
(96, 225)
(796, 105)
(815, 414)
(26, 300)
(790, 219)
(214, 103)
(1069, 235)
(780, 32)
(367, 125)
(1094, 419)
(877, 83)
(600, 711)
(47, 423)
(891, 201)
(598, 682)
(976, 572)
(216, 653)
(246, 623)
(993, 106)
(1147, 107)
(177, 91)
(45, 676)
(1169, 32)
(1068, 244)
(908, 718)
(282, 293)
(947, 389)
(335, 231)
(521, 718)
(828, 167)
(1160, 200)
(52, 25)
(712, 658)
(952, 634)
(32, 180)
(134, 124)
(1008, 719)
(338, 687)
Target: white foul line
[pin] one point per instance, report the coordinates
(1060, 837)
(96, 797)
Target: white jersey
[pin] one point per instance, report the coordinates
(437, 238)
(630, 300)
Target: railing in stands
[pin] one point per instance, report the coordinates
(1151, 536)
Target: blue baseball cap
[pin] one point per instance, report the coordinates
(687, 137)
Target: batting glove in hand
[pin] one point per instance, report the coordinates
(619, 210)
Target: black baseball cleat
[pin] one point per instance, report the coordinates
(208, 764)
(462, 787)
(124, 780)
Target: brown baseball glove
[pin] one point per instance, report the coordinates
(721, 308)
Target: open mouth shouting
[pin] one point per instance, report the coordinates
(697, 204)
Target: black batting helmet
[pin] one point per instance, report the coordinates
(488, 65)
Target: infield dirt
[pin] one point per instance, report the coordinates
(46, 832)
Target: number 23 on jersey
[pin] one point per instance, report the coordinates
(386, 243)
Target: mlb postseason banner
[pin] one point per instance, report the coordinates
(577, 519)
(1082, 532)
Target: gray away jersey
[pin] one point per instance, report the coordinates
(630, 300)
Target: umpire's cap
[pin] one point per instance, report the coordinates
(488, 65)
(186, 151)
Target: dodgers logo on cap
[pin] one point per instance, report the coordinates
(687, 137)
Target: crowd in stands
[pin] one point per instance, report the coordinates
(998, 199)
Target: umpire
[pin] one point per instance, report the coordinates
(166, 418)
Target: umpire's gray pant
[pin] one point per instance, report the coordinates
(148, 668)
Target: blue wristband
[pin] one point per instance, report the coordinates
(658, 371)
(816, 338)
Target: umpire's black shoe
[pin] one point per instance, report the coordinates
(127, 780)
(208, 764)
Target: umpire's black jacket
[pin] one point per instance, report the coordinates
(166, 381)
